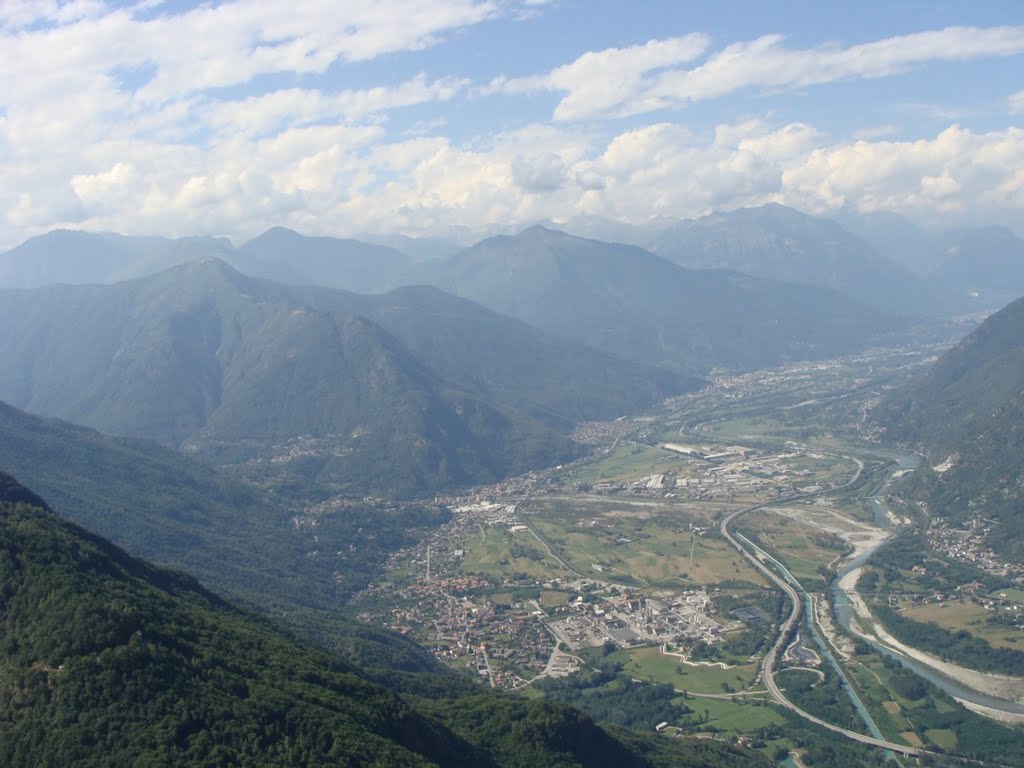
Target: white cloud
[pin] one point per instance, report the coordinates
(219, 46)
(956, 172)
(110, 121)
(601, 81)
(276, 110)
(343, 179)
(540, 173)
(1016, 103)
(649, 81)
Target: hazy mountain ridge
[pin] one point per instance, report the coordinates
(781, 243)
(111, 656)
(965, 270)
(203, 355)
(630, 303)
(75, 257)
(285, 256)
(881, 259)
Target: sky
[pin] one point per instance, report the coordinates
(464, 117)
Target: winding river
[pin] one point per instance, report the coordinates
(844, 609)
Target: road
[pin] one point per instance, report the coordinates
(768, 664)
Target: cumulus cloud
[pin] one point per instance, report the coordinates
(138, 120)
(602, 81)
(543, 173)
(343, 179)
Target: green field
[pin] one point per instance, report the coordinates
(803, 549)
(504, 553)
(651, 551)
(964, 615)
(733, 717)
(630, 462)
(651, 664)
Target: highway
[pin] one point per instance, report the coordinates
(768, 664)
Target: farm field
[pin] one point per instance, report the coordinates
(648, 545)
(630, 462)
(962, 614)
(503, 553)
(651, 664)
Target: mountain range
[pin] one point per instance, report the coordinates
(880, 258)
(630, 303)
(239, 369)
(963, 270)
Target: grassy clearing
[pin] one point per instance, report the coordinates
(802, 548)
(911, 739)
(734, 717)
(942, 737)
(552, 599)
(651, 664)
(733, 429)
(1017, 595)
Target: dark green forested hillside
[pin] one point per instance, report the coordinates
(506, 360)
(105, 660)
(969, 408)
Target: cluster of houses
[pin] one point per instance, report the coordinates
(968, 544)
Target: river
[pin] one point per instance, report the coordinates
(844, 610)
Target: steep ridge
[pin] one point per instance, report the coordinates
(967, 413)
(103, 654)
(630, 303)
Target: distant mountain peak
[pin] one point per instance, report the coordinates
(539, 230)
(276, 233)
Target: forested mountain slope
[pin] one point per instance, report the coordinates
(967, 413)
(202, 357)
